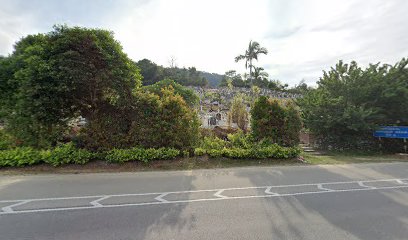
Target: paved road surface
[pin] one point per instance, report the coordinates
(362, 201)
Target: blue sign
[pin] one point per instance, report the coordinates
(392, 132)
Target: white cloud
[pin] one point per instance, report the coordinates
(303, 37)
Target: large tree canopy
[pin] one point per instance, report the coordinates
(52, 78)
(350, 102)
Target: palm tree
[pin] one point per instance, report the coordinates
(259, 73)
(254, 49)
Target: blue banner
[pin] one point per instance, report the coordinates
(392, 132)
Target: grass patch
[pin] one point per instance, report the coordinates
(352, 157)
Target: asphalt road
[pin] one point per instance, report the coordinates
(361, 201)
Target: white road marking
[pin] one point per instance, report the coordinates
(160, 198)
(361, 184)
(9, 209)
(320, 186)
(400, 181)
(96, 202)
(218, 196)
(268, 191)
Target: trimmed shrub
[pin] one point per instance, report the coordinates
(240, 140)
(26, 156)
(18, 157)
(273, 151)
(273, 120)
(213, 143)
(66, 154)
(140, 154)
(199, 152)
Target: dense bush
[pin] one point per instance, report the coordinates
(140, 154)
(66, 154)
(18, 157)
(52, 78)
(5, 140)
(69, 154)
(242, 145)
(238, 113)
(150, 121)
(163, 121)
(26, 156)
(272, 151)
(276, 121)
(187, 94)
(350, 102)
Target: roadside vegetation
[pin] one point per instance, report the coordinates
(141, 112)
(53, 79)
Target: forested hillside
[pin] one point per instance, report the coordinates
(153, 73)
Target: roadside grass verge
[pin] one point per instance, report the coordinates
(203, 162)
(180, 163)
(352, 157)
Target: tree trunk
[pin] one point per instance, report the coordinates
(250, 70)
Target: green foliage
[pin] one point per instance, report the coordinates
(18, 157)
(6, 141)
(350, 102)
(240, 140)
(292, 125)
(55, 77)
(26, 156)
(66, 154)
(276, 122)
(272, 151)
(238, 113)
(240, 145)
(199, 151)
(188, 95)
(213, 143)
(252, 53)
(163, 121)
(69, 154)
(140, 154)
(152, 73)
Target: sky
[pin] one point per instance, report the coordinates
(303, 37)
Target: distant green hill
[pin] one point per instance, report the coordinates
(153, 73)
(214, 79)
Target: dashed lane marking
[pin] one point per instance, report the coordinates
(160, 197)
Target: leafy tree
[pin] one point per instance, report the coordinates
(271, 120)
(151, 72)
(252, 53)
(238, 113)
(235, 79)
(188, 95)
(163, 120)
(52, 78)
(350, 102)
(260, 74)
(277, 85)
(301, 88)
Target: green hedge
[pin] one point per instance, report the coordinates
(140, 154)
(240, 145)
(69, 154)
(20, 157)
(66, 154)
(272, 151)
(26, 156)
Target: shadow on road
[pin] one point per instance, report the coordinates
(376, 214)
(150, 222)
